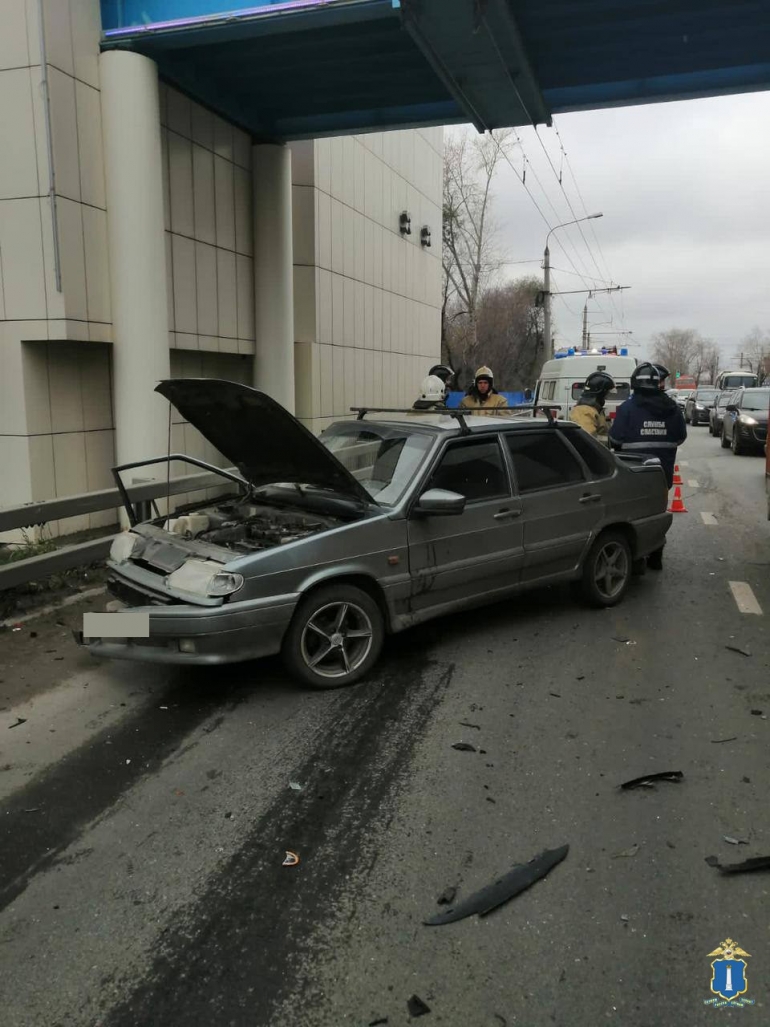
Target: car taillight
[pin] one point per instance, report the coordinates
(613, 414)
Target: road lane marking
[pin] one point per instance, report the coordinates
(745, 599)
(708, 518)
(693, 484)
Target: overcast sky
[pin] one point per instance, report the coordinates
(685, 193)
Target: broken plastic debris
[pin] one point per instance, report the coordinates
(517, 880)
(128, 761)
(416, 1006)
(646, 780)
(738, 649)
(625, 917)
(756, 713)
(291, 859)
(447, 896)
(632, 851)
(717, 741)
(19, 720)
(747, 866)
(734, 841)
(464, 747)
(295, 786)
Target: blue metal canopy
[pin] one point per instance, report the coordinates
(288, 69)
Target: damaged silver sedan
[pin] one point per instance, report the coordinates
(322, 546)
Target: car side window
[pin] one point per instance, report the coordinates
(542, 460)
(596, 457)
(474, 468)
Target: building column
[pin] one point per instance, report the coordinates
(273, 273)
(137, 255)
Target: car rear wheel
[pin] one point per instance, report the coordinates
(335, 637)
(725, 440)
(607, 570)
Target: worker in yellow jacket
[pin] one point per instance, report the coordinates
(589, 410)
(482, 397)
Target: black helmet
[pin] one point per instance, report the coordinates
(646, 376)
(663, 371)
(599, 383)
(442, 371)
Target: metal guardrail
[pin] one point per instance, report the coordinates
(34, 568)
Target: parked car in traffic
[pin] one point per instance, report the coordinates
(681, 397)
(717, 410)
(325, 545)
(698, 404)
(744, 425)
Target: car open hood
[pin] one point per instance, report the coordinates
(259, 436)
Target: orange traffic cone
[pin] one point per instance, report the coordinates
(678, 505)
(677, 476)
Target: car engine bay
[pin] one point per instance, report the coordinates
(248, 527)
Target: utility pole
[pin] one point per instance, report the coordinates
(547, 302)
(585, 321)
(547, 282)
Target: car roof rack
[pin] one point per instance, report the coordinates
(455, 412)
(458, 415)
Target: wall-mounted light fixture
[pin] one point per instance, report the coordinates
(425, 236)
(405, 222)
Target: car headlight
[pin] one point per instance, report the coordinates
(204, 578)
(699, 406)
(745, 419)
(124, 546)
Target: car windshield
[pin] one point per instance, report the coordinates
(756, 399)
(706, 393)
(384, 459)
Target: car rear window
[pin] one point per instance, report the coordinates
(542, 460)
(596, 456)
(619, 394)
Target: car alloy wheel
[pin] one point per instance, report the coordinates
(607, 570)
(335, 636)
(336, 639)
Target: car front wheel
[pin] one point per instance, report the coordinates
(335, 637)
(607, 570)
(738, 448)
(725, 440)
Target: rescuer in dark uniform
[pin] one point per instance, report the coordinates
(649, 424)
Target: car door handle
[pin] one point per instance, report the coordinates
(593, 497)
(503, 514)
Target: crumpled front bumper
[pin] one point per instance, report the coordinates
(189, 635)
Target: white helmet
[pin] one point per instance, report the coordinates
(432, 389)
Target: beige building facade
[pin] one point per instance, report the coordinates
(364, 297)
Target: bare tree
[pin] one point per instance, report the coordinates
(511, 332)
(712, 361)
(470, 254)
(705, 359)
(676, 349)
(755, 351)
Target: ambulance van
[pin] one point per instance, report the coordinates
(562, 379)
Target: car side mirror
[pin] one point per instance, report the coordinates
(439, 502)
(732, 407)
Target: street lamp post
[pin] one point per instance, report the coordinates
(547, 280)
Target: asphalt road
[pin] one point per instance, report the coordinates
(146, 813)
